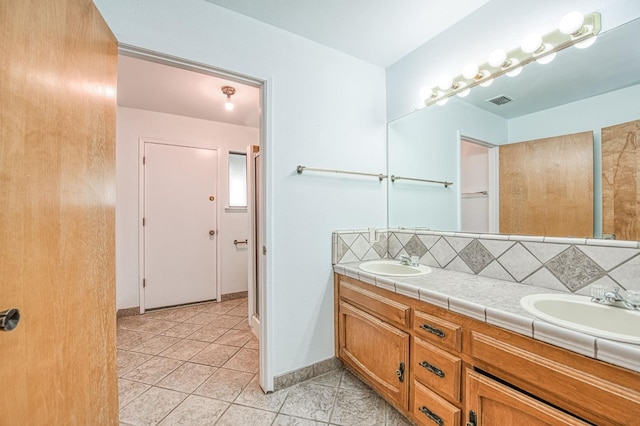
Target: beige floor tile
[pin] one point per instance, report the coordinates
(329, 379)
(208, 333)
(215, 355)
(218, 308)
(177, 314)
(129, 390)
(184, 349)
(196, 411)
(357, 408)
(253, 396)
(224, 384)
(238, 415)
(202, 318)
(244, 360)
(133, 322)
(310, 401)
(239, 311)
(226, 321)
(187, 377)
(284, 420)
(242, 325)
(182, 330)
(127, 339)
(154, 370)
(157, 326)
(394, 418)
(128, 360)
(349, 381)
(155, 345)
(150, 407)
(252, 344)
(235, 337)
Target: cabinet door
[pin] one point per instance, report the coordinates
(377, 350)
(496, 404)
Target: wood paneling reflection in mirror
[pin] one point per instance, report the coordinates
(546, 186)
(620, 189)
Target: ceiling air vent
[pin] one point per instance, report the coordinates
(500, 100)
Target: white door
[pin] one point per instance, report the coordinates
(254, 167)
(179, 224)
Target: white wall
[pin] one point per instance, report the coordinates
(133, 124)
(324, 109)
(474, 177)
(499, 23)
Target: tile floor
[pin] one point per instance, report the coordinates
(198, 365)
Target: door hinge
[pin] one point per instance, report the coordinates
(143, 221)
(144, 283)
(264, 250)
(144, 160)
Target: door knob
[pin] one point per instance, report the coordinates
(212, 232)
(9, 319)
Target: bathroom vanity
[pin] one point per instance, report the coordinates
(440, 367)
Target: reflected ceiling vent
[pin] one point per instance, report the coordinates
(500, 100)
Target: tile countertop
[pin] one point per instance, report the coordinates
(497, 302)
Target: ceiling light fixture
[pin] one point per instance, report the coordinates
(228, 90)
(574, 29)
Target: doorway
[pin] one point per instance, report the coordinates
(478, 183)
(179, 224)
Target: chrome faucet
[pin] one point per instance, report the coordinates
(600, 294)
(411, 261)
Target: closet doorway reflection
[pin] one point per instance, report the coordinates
(478, 186)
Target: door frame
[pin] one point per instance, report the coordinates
(493, 184)
(141, 196)
(266, 104)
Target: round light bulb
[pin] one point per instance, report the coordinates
(571, 23)
(516, 71)
(445, 82)
(531, 43)
(465, 92)
(228, 105)
(487, 83)
(497, 58)
(443, 101)
(588, 42)
(547, 59)
(470, 71)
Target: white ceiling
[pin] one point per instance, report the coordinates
(156, 87)
(377, 31)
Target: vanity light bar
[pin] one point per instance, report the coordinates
(515, 59)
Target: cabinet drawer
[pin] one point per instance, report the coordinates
(438, 331)
(430, 409)
(379, 306)
(437, 369)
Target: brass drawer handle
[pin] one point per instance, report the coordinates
(433, 369)
(431, 415)
(433, 330)
(400, 372)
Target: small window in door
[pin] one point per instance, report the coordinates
(237, 180)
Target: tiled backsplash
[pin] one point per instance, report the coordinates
(565, 264)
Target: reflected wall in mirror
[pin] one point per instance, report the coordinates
(581, 91)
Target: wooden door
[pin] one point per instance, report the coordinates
(179, 224)
(546, 186)
(496, 404)
(377, 350)
(57, 197)
(620, 186)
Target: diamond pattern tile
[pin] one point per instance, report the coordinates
(458, 243)
(429, 240)
(360, 247)
(380, 247)
(476, 256)
(574, 269)
(394, 245)
(545, 251)
(608, 257)
(442, 252)
(519, 262)
(415, 247)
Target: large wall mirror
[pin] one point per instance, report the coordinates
(538, 145)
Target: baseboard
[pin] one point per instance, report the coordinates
(306, 373)
(232, 296)
(128, 312)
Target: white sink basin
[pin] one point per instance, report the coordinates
(580, 314)
(393, 268)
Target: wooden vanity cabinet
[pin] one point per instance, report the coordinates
(460, 371)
